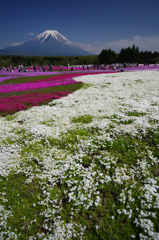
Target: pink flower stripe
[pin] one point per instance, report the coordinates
(59, 68)
(17, 103)
(44, 83)
(67, 76)
(17, 74)
(37, 85)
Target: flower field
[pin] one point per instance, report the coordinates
(26, 93)
(14, 91)
(84, 165)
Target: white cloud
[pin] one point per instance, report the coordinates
(16, 44)
(30, 33)
(87, 47)
(144, 44)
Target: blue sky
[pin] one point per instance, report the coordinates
(94, 25)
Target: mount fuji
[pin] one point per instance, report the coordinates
(50, 36)
(48, 43)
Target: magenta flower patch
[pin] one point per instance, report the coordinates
(20, 87)
(10, 105)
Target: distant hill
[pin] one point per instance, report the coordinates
(48, 43)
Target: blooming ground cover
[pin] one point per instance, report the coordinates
(10, 89)
(16, 74)
(35, 85)
(79, 67)
(29, 92)
(85, 166)
(18, 103)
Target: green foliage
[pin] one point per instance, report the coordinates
(136, 114)
(103, 221)
(22, 199)
(107, 56)
(10, 118)
(129, 54)
(3, 63)
(155, 60)
(82, 119)
(133, 55)
(45, 60)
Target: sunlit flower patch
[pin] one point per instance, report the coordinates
(17, 74)
(37, 85)
(85, 166)
(10, 105)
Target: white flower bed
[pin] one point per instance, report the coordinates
(106, 95)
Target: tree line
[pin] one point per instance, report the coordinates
(107, 56)
(128, 55)
(6, 61)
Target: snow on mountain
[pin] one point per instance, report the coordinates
(50, 35)
(48, 43)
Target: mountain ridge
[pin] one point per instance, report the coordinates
(48, 43)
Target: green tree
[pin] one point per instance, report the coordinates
(107, 56)
(3, 63)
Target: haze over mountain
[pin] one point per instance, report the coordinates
(48, 43)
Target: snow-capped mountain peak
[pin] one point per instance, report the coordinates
(48, 43)
(50, 35)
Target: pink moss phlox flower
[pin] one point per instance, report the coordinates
(13, 104)
(17, 74)
(31, 85)
(43, 83)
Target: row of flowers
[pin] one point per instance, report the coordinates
(30, 72)
(63, 68)
(38, 85)
(16, 74)
(13, 104)
(8, 106)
